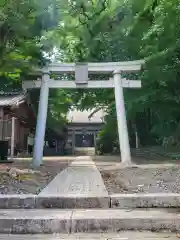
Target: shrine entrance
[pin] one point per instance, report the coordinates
(84, 140)
(82, 71)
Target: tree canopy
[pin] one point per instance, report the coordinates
(128, 30)
(24, 29)
(97, 31)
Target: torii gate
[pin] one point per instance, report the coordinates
(81, 81)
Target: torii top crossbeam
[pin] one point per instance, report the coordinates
(82, 70)
(107, 67)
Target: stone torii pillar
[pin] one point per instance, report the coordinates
(41, 120)
(121, 119)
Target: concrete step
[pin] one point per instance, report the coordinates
(80, 201)
(85, 151)
(62, 201)
(95, 236)
(90, 221)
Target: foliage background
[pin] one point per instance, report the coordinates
(101, 30)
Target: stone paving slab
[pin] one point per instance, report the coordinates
(81, 178)
(91, 236)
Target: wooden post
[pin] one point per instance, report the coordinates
(12, 137)
(95, 141)
(1, 123)
(73, 142)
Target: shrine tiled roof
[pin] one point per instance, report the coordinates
(10, 99)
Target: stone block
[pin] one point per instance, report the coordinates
(71, 201)
(35, 221)
(160, 200)
(118, 220)
(17, 201)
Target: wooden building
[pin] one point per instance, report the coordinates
(83, 130)
(17, 106)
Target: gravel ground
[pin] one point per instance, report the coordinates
(143, 180)
(20, 178)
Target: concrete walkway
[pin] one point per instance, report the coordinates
(81, 178)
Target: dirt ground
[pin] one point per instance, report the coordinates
(20, 178)
(143, 180)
